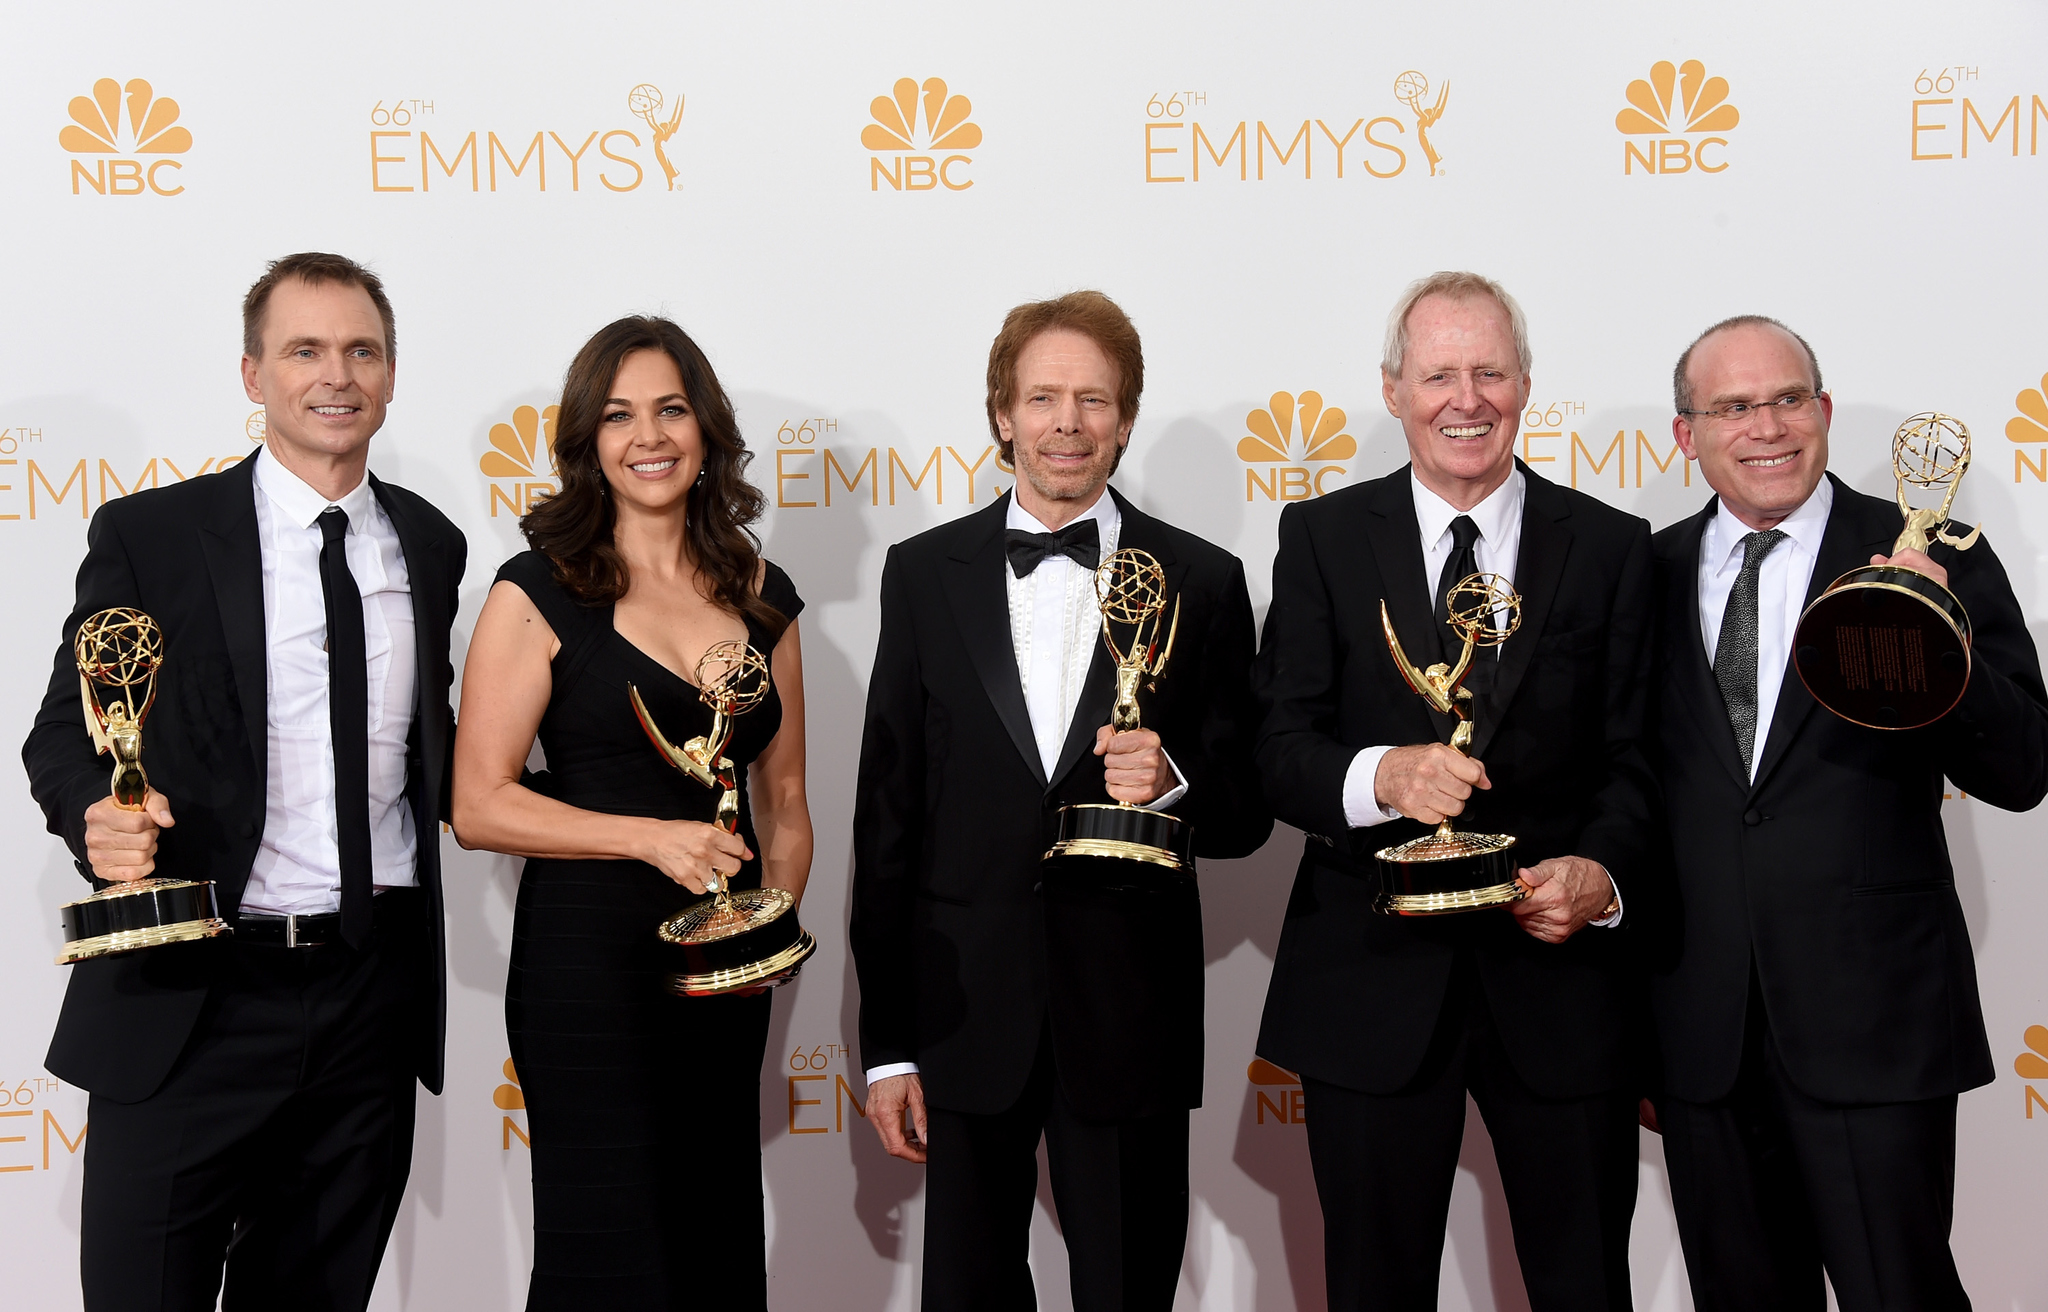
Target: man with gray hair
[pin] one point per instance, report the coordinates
(1815, 994)
(1392, 1020)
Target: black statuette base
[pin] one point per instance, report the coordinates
(1439, 875)
(1885, 647)
(1111, 831)
(147, 913)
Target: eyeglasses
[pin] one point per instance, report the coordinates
(1740, 414)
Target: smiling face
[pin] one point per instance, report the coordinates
(325, 373)
(1065, 428)
(1765, 468)
(1459, 396)
(649, 446)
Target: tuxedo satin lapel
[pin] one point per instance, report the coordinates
(1396, 541)
(981, 609)
(234, 563)
(1098, 693)
(1703, 699)
(1539, 568)
(1850, 540)
(426, 570)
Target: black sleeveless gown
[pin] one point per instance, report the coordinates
(644, 1107)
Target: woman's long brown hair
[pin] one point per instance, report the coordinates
(575, 527)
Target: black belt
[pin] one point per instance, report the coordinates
(315, 931)
(288, 931)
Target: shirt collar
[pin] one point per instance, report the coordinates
(1108, 518)
(299, 503)
(1499, 515)
(1805, 526)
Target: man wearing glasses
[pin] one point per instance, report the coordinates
(1391, 1021)
(1815, 997)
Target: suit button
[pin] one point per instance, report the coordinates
(1752, 817)
(248, 829)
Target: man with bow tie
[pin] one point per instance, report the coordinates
(992, 1014)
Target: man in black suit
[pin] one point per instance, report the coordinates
(1815, 996)
(1392, 1020)
(991, 1012)
(252, 1096)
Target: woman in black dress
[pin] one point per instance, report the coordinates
(643, 1106)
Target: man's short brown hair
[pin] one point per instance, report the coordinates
(313, 267)
(1089, 313)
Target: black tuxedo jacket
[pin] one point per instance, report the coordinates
(189, 556)
(953, 812)
(1829, 874)
(1355, 995)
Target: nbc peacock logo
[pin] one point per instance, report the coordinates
(2030, 425)
(521, 461)
(911, 120)
(1678, 130)
(109, 138)
(2032, 1064)
(510, 1097)
(1286, 437)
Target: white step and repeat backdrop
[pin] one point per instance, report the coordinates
(840, 202)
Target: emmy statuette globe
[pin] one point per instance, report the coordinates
(1886, 646)
(730, 940)
(1451, 871)
(118, 653)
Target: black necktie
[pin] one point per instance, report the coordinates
(348, 714)
(1735, 652)
(1078, 541)
(1463, 562)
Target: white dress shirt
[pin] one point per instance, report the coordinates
(1055, 629)
(297, 870)
(1780, 594)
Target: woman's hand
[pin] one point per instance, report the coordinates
(690, 852)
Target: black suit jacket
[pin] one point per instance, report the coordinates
(189, 556)
(1830, 872)
(1355, 995)
(953, 813)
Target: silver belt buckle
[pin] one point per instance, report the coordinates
(291, 931)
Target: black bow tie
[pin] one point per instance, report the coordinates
(1078, 541)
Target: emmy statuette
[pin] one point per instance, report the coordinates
(730, 939)
(118, 652)
(1130, 590)
(1885, 646)
(1448, 871)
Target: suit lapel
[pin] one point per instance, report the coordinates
(980, 603)
(425, 567)
(1396, 540)
(1098, 694)
(1709, 711)
(1850, 540)
(1539, 566)
(234, 562)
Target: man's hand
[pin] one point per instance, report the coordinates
(1427, 783)
(886, 1101)
(1917, 561)
(1133, 766)
(120, 844)
(1566, 893)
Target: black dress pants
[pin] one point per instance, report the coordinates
(1121, 1189)
(1385, 1165)
(278, 1146)
(1770, 1186)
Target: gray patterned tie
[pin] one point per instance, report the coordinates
(1735, 654)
